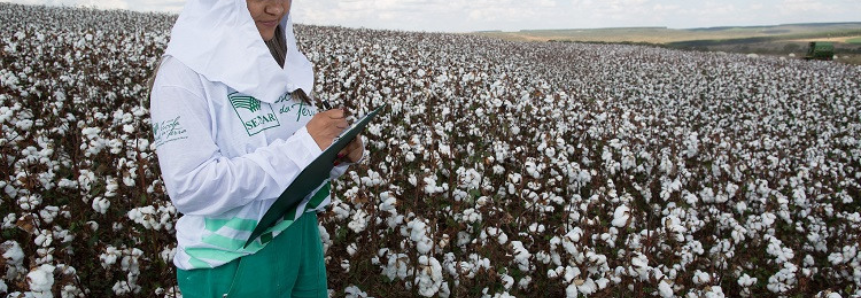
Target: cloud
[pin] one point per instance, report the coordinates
(473, 15)
(174, 6)
(103, 4)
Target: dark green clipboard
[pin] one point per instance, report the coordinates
(310, 178)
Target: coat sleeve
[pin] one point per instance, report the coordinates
(199, 179)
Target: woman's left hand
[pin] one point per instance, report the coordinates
(353, 152)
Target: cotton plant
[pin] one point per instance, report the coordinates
(654, 167)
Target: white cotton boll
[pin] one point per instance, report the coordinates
(521, 256)
(109, 257)
(424, 246)
(12, 253)
(707, 195)
(101, 205)
(740, 207)
(388, 202)
(621, 216)
(701, 278)
(359, 221)
(167, 254)
(10, 191)
(498, 169)
(130, 262)
(345, 264)
(9, 221)
(325, 238)
(641, 266)
(418, 234)
(507, 281)
(371, 179)
(536, 228)
(417, 229)
(124, 288)
(45, 255)
(354, 292)
(143, 144)
(342, 211)
(714, 292)
(574, 235)
(49, 213)
(746, 281)
(29, 202)
(429, 277)
(552, 274)
(430, 186)
(111, 187)
(691, 199)
(782, 254)
(471, 216)
(543, 257)
(41, 280)
(808, 261)
(395, 221)
(550, 152)
(524, 282)
(571, 273)
(351, 249)
(731, 189)
(588, 287)
(571, 291)
(665, 289)
(836, 258)
(501, 238)
(533, 170)
(44, 238)
(94, 226)
(692, 145)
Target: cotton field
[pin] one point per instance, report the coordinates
(500, 169)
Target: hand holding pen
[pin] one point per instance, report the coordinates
(325, 126)
(336, 120)
(355, 149)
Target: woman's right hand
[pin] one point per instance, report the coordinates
(325, 126)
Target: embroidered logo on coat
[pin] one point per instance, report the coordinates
(168, 131)
(288, 106)
(245, 102)
(255, 115)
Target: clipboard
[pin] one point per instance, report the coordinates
(311, 177)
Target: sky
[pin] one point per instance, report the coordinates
(514, 15)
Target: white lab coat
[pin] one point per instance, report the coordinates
(228, 135)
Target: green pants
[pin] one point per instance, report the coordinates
(291, 265)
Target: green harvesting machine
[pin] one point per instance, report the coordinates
(820, 51)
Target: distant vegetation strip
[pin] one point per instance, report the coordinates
(597, 29)
(854, 41)
(713, 42)
(687, 37)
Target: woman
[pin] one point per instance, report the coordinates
(232, 132)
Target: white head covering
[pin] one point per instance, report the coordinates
(219, 40)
